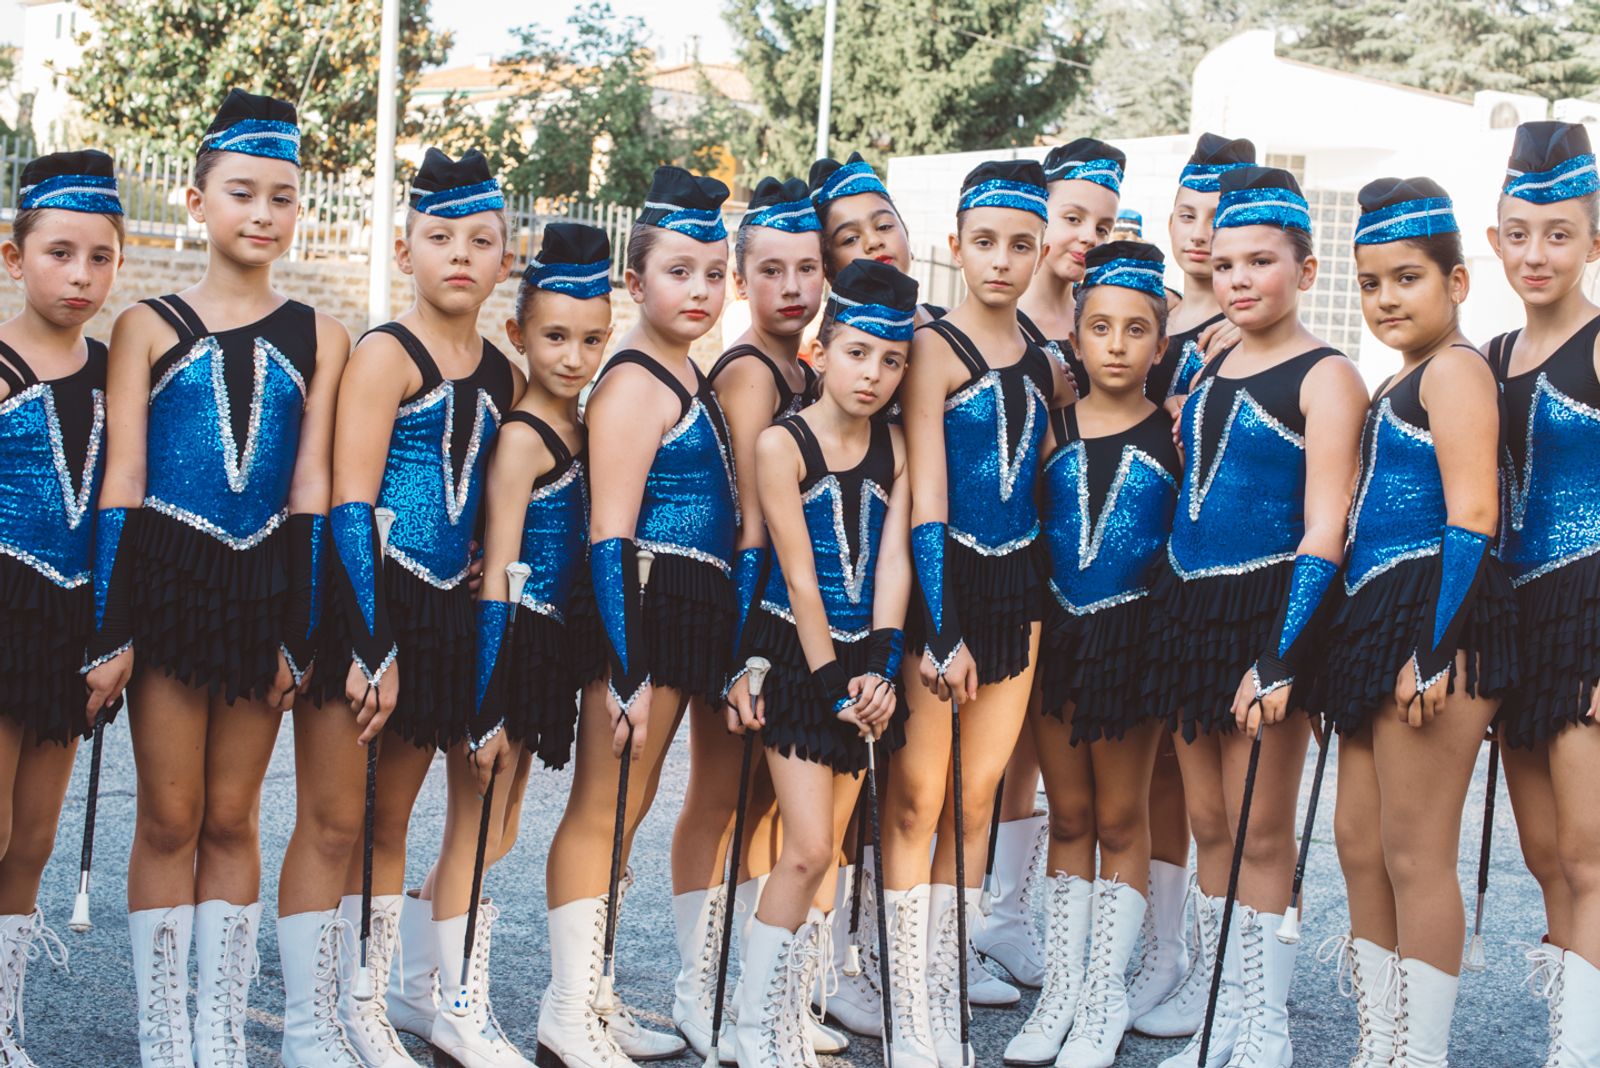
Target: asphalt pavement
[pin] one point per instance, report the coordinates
(86, 1018)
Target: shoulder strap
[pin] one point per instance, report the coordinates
(99, 356)
(961, 344)
(166, 308)
(416, 350)
(190, 318)
(664, 376)
(738, 352)
(1070, 413)
(1030, 329)
(502, 385)
(14, 370)
(810, 447)
(1061, 427)
(546, 432)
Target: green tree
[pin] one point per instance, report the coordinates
(910, 76)
(158, 69)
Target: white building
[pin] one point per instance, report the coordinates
(1335, 132)
(50, 31)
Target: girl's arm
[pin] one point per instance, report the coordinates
(520, 457)
(377, 377)
(309, 496)
(627, 415)
(891, 583)
(1334, 400)
(1462, 402)
(748, 397)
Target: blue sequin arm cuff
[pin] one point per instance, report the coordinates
(614, 565)
(928, 542)
(1461, 563)
(360, 557)
(1276, 667)
(489, 704)
(750, 572)
(307, 534)
(113, 624)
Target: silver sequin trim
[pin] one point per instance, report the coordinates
(374, 678)
(295, 670)
(626, 706)
(1098, 606)
(855, 573)
(684, 550)
(90, 665)
(1090, 540)
(1389, 565)
(1556, 565)
(475, 744)
(787, 615)
(67, 582)
(1197, 493)
(1225, 569)
(1255, 678)
(995, 550)
(575, 471)
(941, 666)
(398, 556)
(1010, 466)
(1423, 685)
(455, 495)
(206, 526)
(543, 608)
(76, 502)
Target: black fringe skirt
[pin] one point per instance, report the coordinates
(1097, 664)
(43, 631)
(1558, 615)
(689, 615)
(549, 663)
(997, 601)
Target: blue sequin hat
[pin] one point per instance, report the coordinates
(1086, 160)
(686, 204)
(71, 181)
(1128, 219)
(1214, 156)
(451, 188)
(1550, 161)
(876, 299)
(254, 126)
(782, 205)
(573, 259)
(1262, 196)
(830, 180)
(1006, 183)
(1129, 264)
(1394, 209)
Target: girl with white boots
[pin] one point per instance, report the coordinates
(65, 249)
(423, 400)
(220, 410)
(1549, 375)
(1109, 484)
(1421, 643)
(837, 506)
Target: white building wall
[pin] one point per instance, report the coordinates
(50, 48)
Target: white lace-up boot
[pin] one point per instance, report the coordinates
(366, 1023)
(1230, 996)
(944, 972)
(631, 1036)
(466, 1028)
(1368, 974)
(1068, 906)
(911, 1036)
(769, 1033)
(161, 982)
(1102, 1016)
(1544, 979)
(1574, 1023)
(857, 1002)
(1426, 1000)
(412, 999)
(1183, 1011)
(225, 943)
(1163, 958)
(823, 983)
(697, 921)
(311, 949)
(1267, 969)
(22, 938)
(571, 1034)
(1010, 937)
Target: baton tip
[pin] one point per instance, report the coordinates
(1476, 959)
(80, 924)
(1289, 929)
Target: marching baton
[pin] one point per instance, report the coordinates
(80, 924)
(384, 517)
(961, 880)
(852, 955)
(1476, 960)
(1233, 893)
(1289, 929)
(883, 923)
(516, 578)
(605, 996)
(758, 667)
(990, 883)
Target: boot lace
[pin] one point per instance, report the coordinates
(786, 985)
(1144, 964)
(33, 941)
(705, 967)
(483, 1017)
(1252, 966)
(824, 977)
(1025, 890)
(598, 1039)
(910, 1024)
(327, 972)
(1093, 1011)
(382, 946)
(240, 966)
(944, 962)
(1396, 1002)
(166, 1007)
(1058, 996)
(1545, 980)
(1202, 939)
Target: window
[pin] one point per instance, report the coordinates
(1295, 165)
(1332, 310)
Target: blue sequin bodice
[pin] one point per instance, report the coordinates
(1399, 509)
(1552, 490)
(689, 506)
(1101, 550)
(846, 558)
(555, 540)
(46, 506)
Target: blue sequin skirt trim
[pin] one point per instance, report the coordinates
(550, 662)
(204, 613)
(799, 720)
(997, 601)
(1558, 616)
(43, 630)
(1097, 664)
(436, 633)
(1372, 634)
(690, 613)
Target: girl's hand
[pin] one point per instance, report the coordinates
(282, 691)
(492, 758)
(474, 568)
(1419, 709)
(106, 684)
(1216, 339)
(745, 713)
(637, 720)
(1249, 713)
(875, 701)
(372, 704)
(960, 678)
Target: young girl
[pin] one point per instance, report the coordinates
(423, 399)
(759, 379)
(662, 481)
(1109, 486)
(1167, 994)
(65, 249)
(1549, 375)
(1419, 584)
(219, 438)
(973, 431)
(838, 507)
(1270, 438)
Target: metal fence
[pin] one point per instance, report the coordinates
(335, 209)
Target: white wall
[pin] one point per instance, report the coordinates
(48, 32)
